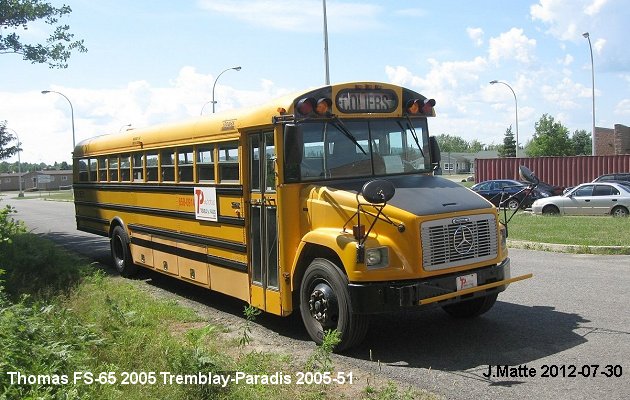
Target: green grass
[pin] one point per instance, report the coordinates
(60, 315)
(572, 230)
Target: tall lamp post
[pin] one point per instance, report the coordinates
(326, 44)
(71, 112)
(21, 193)
(588, 37)
(515, 107)
(215, 84)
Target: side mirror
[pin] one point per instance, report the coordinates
(293, 144)
(527, 175)
(378, 191)
(434, 150)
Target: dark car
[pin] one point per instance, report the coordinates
(506, 193)
(623, 176)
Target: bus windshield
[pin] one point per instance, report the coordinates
(363, 148)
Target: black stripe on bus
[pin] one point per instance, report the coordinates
(236, 190)
(101, 221)
(157, 211)
(187, 237)
(191, 255)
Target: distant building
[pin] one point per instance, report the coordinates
(463, 163)
(39, 180)
(612, 141)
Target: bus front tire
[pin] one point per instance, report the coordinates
(471, 308)
(325, 305)
(121, 254)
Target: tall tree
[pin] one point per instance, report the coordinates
(6, 138)
(582, 143)
(453, 144)
(15, 15)
(550, 139)
(508, 149)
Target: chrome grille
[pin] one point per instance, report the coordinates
(452, 242)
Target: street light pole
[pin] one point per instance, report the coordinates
(326, 44)
(515, 107)
(588, 37)
(215, 84)
(71, 113)
(21, 193)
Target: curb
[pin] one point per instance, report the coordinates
(569, 248)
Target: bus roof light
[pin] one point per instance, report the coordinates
(306, 105)
(323, 106)
(427, 108)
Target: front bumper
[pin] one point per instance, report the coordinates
(380, 297)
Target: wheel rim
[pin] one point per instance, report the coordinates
(619, 212)
(513, 204)
(323, 306)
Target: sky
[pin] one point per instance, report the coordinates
(151, 62)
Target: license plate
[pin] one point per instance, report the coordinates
(466, 281)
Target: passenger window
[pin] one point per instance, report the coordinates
(228, 162)
(125, 168)
(138, 167)
(152, 167)
(185, 164)
(102, 169)
(83, 170)
(93, 169)
(167, 162)
(205, 163)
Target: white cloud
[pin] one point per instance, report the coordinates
(297, 16)
(595, 7)
(567, 60)
(512, 45)
(476, 35)
(48, 138)
(599, 45)
(566, 93)
(623, 107)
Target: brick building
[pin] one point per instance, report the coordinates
(612, 141)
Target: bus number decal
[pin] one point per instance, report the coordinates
(206, 204)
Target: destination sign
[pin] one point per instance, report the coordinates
(366, 101)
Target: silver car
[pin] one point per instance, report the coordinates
(605, 198)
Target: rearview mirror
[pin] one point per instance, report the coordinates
(378, 191)
(293, 144)
(434, 149)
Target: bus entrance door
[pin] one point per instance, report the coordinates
(263, 227)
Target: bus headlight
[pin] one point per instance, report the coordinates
(377, 257)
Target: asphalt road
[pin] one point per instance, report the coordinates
(570, 321)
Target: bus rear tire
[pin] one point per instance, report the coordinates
(325, 305)
(121, 254)
(471, 308)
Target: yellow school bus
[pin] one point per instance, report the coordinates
(324, 202)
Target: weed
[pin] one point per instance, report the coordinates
(321, 359)
(250, 313)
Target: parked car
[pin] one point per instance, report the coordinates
(624, 176)
(600, 198)
(546, 189)
(506, 193)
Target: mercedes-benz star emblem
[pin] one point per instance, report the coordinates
(463, 240)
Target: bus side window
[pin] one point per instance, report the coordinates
(125, 168)
(138, 167)
(93, 165)
(83, 170)
(112, 166)
(185, 164)
(205, 163)
(152, 167)
(228, 162)
(102, 169)
(167, 162)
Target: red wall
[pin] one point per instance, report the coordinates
(560, 171)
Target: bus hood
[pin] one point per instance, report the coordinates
(423, 195)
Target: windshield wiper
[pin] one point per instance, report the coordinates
(414, 134)
(338, 123)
